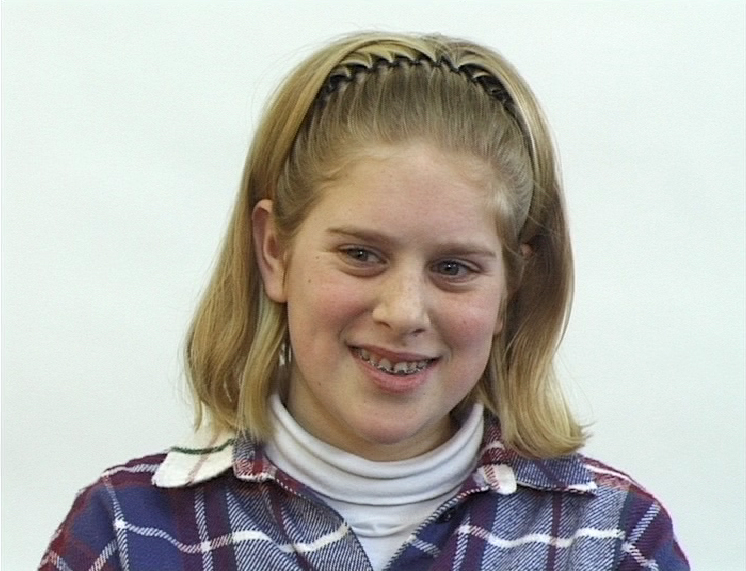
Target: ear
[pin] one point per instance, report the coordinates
(269, 252)
(500, 322)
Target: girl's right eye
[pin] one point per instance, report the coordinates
(360, 255)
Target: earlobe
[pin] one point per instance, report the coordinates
(269, 251)
(498, 326)
(500, 323)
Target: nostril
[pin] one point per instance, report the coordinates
(402, 307)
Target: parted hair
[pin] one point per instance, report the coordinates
(391, 89)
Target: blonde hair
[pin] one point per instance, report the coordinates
(375, 88)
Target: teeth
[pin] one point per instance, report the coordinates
(402, 367)
(383, 364)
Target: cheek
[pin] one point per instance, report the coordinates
(484, 310)
(473, 325)
(318, 305)
(471, 340)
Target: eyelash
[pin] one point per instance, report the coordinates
(355, 253)
(464, 270)
(362, 256)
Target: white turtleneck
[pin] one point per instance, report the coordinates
(383, 502)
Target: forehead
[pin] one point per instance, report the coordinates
(383, 171)
(408, 188)
(422, 154)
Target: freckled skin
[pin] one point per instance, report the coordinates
(400, 256)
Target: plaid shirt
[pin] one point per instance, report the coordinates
(221, 505)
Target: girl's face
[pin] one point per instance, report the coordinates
(394, 285)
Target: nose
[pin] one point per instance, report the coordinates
(402, 303)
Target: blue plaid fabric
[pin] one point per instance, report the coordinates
(220, 504)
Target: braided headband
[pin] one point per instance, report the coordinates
(346, 73)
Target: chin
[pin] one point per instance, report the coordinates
(384, 442)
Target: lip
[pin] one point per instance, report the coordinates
(392, 355)
(388, 383)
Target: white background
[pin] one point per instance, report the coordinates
(125, 126)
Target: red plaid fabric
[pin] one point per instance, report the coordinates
(219, 504)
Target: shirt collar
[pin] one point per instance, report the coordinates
(207, 454)
(503, 469)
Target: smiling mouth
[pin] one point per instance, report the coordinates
(401, 369)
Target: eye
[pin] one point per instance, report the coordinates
(453, 269)
(360, 255)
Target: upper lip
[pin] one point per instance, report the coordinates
(393, 355)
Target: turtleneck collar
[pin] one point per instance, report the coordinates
(339, 475)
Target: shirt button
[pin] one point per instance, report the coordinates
(446, 517)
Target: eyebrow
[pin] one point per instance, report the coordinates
(462, 248)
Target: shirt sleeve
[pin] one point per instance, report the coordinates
(86, 539)
(649, 541)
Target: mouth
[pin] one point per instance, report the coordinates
(385, 365)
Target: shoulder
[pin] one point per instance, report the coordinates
(135, 471)
(581, 502)
(155, 504)
(118, 484)
(644, 524)
(88, 533)
(104, 493)
(611, 482)
(128, 514)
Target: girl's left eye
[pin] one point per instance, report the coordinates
(453, 269)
